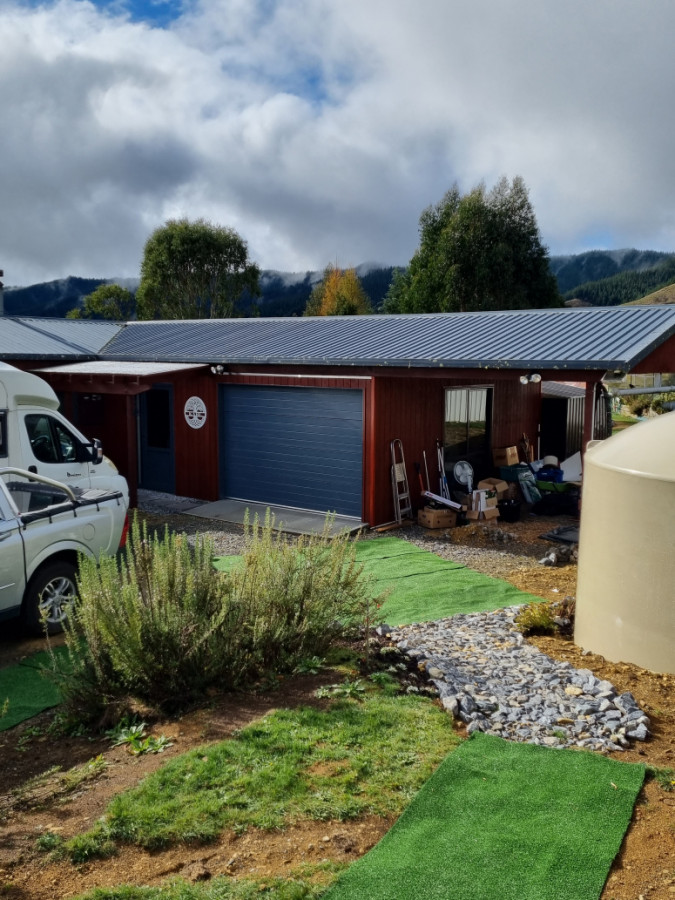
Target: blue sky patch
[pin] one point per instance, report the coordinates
(158, 13)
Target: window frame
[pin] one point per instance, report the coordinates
(478, 457)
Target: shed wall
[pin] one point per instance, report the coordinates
(413, 409)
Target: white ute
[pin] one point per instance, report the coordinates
(36, 437)
(44, 527)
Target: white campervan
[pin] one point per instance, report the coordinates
(36, 437)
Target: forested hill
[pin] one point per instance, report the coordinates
(597, 265)
(627, 285)
(283, 293)
(52, 298)
(599, 278)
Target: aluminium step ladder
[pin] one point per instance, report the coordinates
(399, 483)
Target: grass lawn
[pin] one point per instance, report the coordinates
(619, 422)
(366, 752)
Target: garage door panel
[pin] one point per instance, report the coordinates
(290, 446)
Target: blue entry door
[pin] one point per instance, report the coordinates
(288, 446)
(158, 468)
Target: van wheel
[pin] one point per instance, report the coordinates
(49, 597)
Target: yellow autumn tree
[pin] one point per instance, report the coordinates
(340, 293)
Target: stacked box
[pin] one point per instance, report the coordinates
(505, 456)
(481, 504)
(436, 518)
(494, 484)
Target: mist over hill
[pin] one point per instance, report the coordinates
(282, 293)
(598, 278)
(596, 265)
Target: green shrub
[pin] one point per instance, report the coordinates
(162, 625)
(640, 404)
(551, 617)
(536, 618)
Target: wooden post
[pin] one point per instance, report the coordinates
(589, 410)
(132, 448)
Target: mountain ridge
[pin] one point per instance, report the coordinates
(596, 277)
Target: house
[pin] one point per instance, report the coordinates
(301, 412)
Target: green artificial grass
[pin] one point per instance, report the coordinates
(422, 586)
(506, 820)
(27, 690)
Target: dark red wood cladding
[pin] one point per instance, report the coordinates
(405, 404)
(196, 449)
(661, 360)
(413, 409)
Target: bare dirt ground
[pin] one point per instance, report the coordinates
(33, 801)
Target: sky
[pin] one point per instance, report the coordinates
(320, 129)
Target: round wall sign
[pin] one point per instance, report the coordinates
(195, 412)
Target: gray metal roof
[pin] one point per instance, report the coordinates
(561, 389)
(35, 338)
(587, 338)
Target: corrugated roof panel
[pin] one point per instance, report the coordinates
(35, 338)
(564, 338)
(17, 341)
(88, 334)
(561, 389)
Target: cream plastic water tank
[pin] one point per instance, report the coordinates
(626, 578)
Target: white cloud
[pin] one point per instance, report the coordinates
(320, 130)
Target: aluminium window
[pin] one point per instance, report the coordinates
(468, 426)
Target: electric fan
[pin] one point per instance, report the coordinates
(462, 472)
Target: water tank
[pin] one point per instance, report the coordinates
(626, 578)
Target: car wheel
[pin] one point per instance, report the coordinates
(49, 596)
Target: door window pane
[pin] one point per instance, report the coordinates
(468, 417)
(455, 422)
(41, 439)
(66, 441)
(158, 419)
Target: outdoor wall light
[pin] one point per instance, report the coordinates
(533, 377)
(217, 370)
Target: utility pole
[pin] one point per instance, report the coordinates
(2, 302)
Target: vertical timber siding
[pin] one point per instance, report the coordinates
(413, 408)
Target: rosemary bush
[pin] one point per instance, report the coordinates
(162, 626)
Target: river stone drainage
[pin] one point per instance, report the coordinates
(488, 676)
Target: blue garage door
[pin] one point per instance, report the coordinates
(286, 446)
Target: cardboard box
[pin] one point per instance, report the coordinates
(436, 518)
(484, 499)
(505, 456)
(476, 515)
(494, 484)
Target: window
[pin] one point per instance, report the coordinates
(3, 433)
(50, 441)
(468, 422)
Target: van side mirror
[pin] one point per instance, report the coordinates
(96, 452)
(92, 452)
